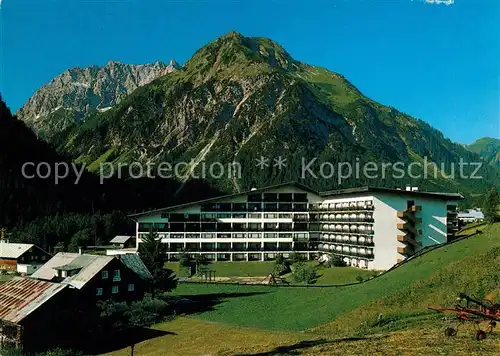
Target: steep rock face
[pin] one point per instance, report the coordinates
(240, 98)
(78, 92)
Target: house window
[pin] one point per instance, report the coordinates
(114, 290)
(104, 274)
(116, 275)
(98, 291)
(131, 287)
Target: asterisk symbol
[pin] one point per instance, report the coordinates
(280, 162)
(262, 162)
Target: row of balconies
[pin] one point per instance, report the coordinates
(353, 217)
(261, 249)
(265, 235)
(192, 229)
(351, 206)
(346, 228)
(343, 250)
(348, 239)
(255, 207)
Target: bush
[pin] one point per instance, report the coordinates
(303, 273)
(61, 352)
(281, 265)
(296, 258)
(336, 261)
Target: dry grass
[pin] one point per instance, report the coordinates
(194, 337)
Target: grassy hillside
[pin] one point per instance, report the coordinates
(471, 266)
(238, 320)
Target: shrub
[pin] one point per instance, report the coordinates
(304, 273)
(336, 261)
(61, 352)
(281, 265)
(296, 258)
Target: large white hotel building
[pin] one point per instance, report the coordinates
(368, 227)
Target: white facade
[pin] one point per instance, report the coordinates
(360, 225)
(27, 269)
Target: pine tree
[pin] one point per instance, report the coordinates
(491, 206)
(154, 255)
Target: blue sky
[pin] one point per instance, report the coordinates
(436, 62)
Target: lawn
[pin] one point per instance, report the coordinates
(471, 266)
(231, 269)
(336, 275)
(238, 270)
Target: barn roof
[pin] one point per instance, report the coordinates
(19, 297)
(89, 266)
(134, 262)
(13, 250)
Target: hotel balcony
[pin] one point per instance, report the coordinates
(409, 227)
(408, 239)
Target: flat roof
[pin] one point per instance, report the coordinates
(348, 191)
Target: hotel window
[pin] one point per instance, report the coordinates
(131, 287)
(254, 226)
(254, 197)
(116, 275)
(285, 197)
(300, 197)
(254, 206)
(114, 289)
(270, 197)
(98, 291)
(104, 274)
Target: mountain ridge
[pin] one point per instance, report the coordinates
(80, 91)
(238, 98)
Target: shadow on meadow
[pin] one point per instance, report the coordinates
(201, 303)
(119, 340)
(294, 349)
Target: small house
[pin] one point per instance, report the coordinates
(122, 241)
(23, 258)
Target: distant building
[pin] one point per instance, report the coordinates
(367, 227)
(122, 241)
(122, 245)
(23, 258)
(123, 277)
(472, 215)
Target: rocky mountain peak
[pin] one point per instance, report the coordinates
(78, 92)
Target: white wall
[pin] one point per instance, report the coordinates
(433, 226)
(27, 269)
